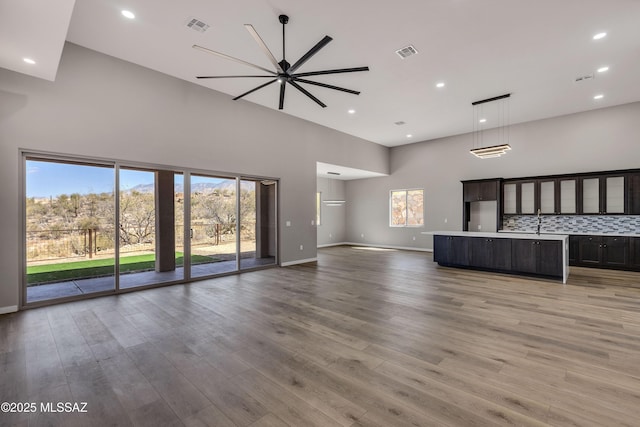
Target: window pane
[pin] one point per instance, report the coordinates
(70, 236)
(415, 207)
(398, 207)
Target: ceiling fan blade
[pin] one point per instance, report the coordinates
(311, 82)
(281, 104)
(322, 43)
(303, 90)
(227, 77)
(338, 71)
(231, 58)
(255, 89)
(263, 46)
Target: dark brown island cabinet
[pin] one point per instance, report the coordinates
(517, 253)
(617, 252)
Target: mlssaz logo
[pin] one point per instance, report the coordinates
(80, 407)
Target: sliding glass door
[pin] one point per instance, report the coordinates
(69, 229)
(214, 247)
(148, 252)
(94, 227)
(257, 206)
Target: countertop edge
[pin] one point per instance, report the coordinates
(500, 235)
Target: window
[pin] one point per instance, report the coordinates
(318, 206)
(406, 208)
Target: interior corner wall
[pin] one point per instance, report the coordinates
(596, 140)
(333, 219)
(103, 107)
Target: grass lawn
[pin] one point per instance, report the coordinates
(63, 271)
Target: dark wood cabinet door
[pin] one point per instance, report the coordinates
(634, 253)
(489, 190)
(471, 191)
(590, 250)
(459, 247)
(574, 249)
(524, 255)
(479, 252)
(500, 254)
(615, 251)
(633, 194)
(494, 254)
(550, 257)
(441, 249)
(480, 190)
(451, 250)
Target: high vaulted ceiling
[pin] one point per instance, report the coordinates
(532, 49)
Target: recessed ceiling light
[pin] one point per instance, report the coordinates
(29, 61)
(482, 120)
(128, 14)
(600, 36)
(439, 85)
(603, 69)
(599, 96)
(409, 135)
(352, 111)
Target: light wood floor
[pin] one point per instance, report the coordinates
(363, 338)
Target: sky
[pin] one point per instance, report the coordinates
(45, 179)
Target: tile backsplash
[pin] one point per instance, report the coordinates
(574, 223)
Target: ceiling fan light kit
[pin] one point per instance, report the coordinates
(284, 72)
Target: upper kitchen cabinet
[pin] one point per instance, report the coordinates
(557, 196)
(519, 197)
(480, 190)
(548, 190)
(633, 193)
(603, 194)
(567, 196)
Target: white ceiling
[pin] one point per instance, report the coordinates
(480, 49)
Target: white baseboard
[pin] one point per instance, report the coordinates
(298, 261)
(403, 248)
(8, 309)
(328, 245)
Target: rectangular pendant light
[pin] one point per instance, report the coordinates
(489, 152)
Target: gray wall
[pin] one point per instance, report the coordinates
(103, 107)
(333, 219)
(596, 140)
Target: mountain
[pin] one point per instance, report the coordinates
(199, 187)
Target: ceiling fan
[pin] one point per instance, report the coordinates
(284, 72)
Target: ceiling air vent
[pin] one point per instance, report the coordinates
(198, 25)
(584, 78)
(400, 123)
(406, 51)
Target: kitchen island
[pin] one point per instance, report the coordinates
(545, 255)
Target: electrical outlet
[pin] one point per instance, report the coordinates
(313, 222)
(301, 247)
(414, 237)
(479, 227)
(362, 235)
(330, 235)
(445, 220)
(288, 223)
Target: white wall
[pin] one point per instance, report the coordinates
(332, 229)
(103, 107)
(597, 140)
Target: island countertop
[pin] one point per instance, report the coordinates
(518, 253)
(500, 235)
